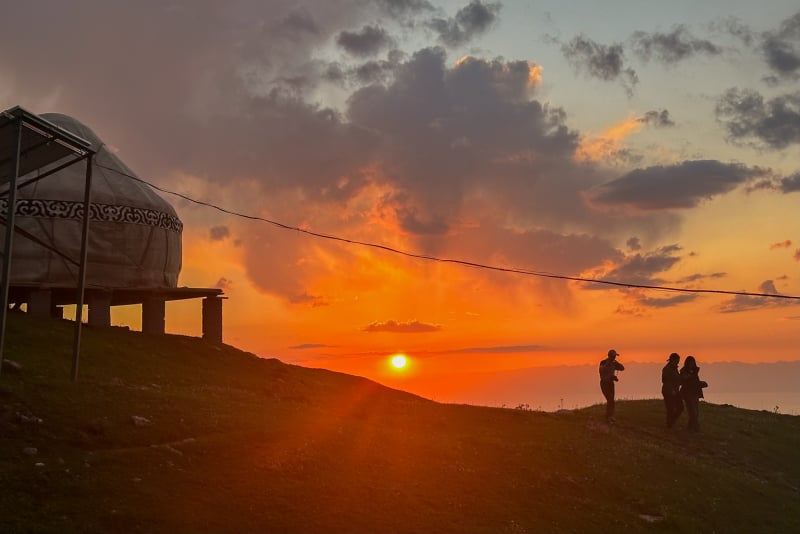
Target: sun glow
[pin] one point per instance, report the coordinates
(399, 361)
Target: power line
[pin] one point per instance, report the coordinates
(450, 260)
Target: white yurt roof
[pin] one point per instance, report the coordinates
(134, 234)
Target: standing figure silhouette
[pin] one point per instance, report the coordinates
(608, 375)
(670, 389)
(692, 391)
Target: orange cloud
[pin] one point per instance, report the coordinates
(534, 74)
(594, 148)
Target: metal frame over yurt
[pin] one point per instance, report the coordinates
(29, 143)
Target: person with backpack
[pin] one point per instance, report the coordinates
(608, 375)
(692, 391)
(670, 389)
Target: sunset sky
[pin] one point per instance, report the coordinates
(653, 143)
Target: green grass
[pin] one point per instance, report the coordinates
(239, 444)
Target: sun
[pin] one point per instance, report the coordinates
(399, 361)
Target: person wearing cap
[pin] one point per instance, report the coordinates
(670, 389)
(692, 391)
(608, 375)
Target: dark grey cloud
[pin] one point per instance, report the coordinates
(649, 268)
(762, 184)
(782, 57)
(400, 327)
(699, 277)
(742, 303)
(659, 119)
(429, 119)
(683, 185)
(370, 72)
(644, 268)
(768, 287)
(477, 16)
(672, 47)
(737, 28)
(791, 184)
(634, 243)
(219, 233)
(366, 42)
(786, 185)
(781, 48)
(335, 73)
(750, 120)
(470, 21)
(278, 138)
(666, 302)
(606, 62)
(399, 8)
(377, 71)
(412, 222)
(298, 21)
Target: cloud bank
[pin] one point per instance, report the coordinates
(360, 118)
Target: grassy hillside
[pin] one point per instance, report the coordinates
(233, 443)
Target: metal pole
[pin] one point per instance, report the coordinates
(11, 208)
(87, 198)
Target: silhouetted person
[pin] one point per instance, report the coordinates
(670, 389)
(692, 391)
(608, 375)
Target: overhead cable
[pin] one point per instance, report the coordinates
(451, 260)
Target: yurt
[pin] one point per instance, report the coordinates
(133, 253)
(134, 238)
